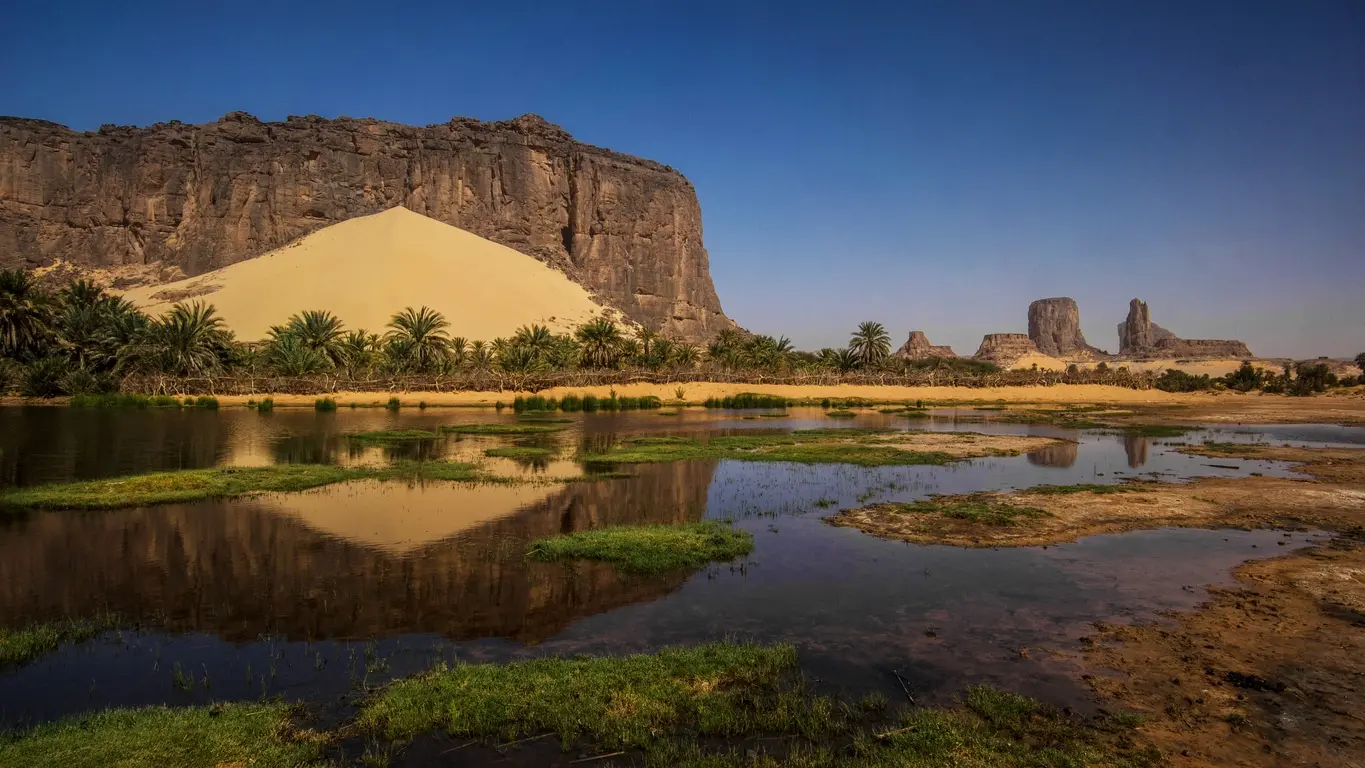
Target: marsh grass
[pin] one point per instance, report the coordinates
(812, 446)
(1212, 445)
(980, 510)
(841, 414)
(499, 428)
(218, 482)
(524, 453)
(18, 646)
(1095, 488)
(745, 400)
(648, 548)
(393, 404)
(325, 404)
(221, 735)
(116, 400)
(266, 406)
(689, 707)
(616, 702)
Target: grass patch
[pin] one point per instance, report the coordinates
(648, 548)
(326, 404)
(219, 482)
(616, 702)
(117, 400)
(501, 429)
(221, 735)
(807, 446)
(523, 453)
(671, 703)
(747, 400)
(1153, 430)
(1227, 447)
(393, 435)
(1095, 488)
(980, 510)
(841, 414)
(19, 646)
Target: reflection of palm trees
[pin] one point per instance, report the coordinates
(1136, 447)
(1059, 455)
(241, 569)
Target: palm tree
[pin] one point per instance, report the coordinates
(357, 350)
(686, 356)
(846, 360)
(459, 348)
(564, 354)
(25, 315)
(320, 331)
(536, 338)
(520, 359)
(480, 356)
(601, 343)
(726, 346)
(870, 344)
(189, 340)
(421, 334)
(292, 356)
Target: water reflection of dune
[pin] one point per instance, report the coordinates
(243, 569)
(1056, 455)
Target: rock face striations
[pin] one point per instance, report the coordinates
(1005, 348)
(1054, 325)
(1140, 338)
(917, 347)
(200, 197)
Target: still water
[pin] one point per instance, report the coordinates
(313, 595)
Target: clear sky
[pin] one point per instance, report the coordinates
(932, 165)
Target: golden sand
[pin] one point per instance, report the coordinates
(367, 268)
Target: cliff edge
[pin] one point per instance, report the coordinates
(193, 198)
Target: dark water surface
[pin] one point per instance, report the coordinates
(311, 595)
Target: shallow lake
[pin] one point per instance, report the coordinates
(312, 595)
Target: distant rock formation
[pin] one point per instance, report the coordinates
(917, 347)
(1054, 325)
(1139, 337)
(1005, 348)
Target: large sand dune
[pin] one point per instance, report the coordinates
(367, 268)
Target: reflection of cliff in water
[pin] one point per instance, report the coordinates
(1136, 447)
(243, 569)
(1056, 455)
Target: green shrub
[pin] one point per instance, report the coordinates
(1310, 378)
(393, 404)
(207, 403)
(166, 401)
(325, 404)
(1175, 380)
(825, 403)
(43, 378)
(421, 405)
(267, 405)
(188, 402)
(590, 402)
(571, 403)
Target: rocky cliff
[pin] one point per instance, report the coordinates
(1054, 325)
(917, 347)
(1005, 348)
(1139, 337)
(192, 198)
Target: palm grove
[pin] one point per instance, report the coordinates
(81, 339)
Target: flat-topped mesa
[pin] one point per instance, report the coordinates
(917, 347)
(1005, 348)
(1140, 338)
(1054, 325)
(173, 200)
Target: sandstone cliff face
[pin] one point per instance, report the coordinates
(1054, 325)
(1139, 337)
(1005, 348)
(200, 197)
(917, 347)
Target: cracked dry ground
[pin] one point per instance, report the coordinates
(1268, 672)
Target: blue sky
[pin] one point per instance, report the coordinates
(932, 165)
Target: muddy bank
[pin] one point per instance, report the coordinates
(1334, 500)
(1271, 672)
